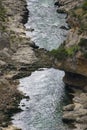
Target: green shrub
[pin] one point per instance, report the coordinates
(85, 55)
(84, 6)
(83, 28)
(59, 53)
(62, 53)
(2, 12)
(83, 42)
(78, 13)
(72, 50)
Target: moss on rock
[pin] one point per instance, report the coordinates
(59, 53)
(62, 52)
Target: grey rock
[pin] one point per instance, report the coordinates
(4, 42)
(74, 115)
(32, 44)
(82, 119)
(64, 27)
(2, 63)
(4, 124)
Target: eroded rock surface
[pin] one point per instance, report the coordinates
(74, 63)
(19, 56)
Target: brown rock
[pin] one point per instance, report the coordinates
(69, 107)
(11, 128)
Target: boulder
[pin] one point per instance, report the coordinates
(32, 44)
(74, 115)
(69, 107)
(2, 63)
(11, 128)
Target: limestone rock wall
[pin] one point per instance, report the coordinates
(75, 44)
(75, 62)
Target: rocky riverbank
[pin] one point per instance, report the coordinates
(72, 58)
(12, 32)
(19, 56)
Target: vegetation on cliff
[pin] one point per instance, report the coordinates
(62, 52)
(59, 53)
(75, 62)
(84, 6)
(77, 19)
(2, 12)
(2, 16)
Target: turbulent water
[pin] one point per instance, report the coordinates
(47, 96)
(46, 23)
(45, 87)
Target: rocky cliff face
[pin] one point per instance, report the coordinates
(74, 59)
(19, 55)
(11, 32)
(75, 45)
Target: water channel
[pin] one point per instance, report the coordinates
(45, 86)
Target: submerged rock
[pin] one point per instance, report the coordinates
(64, 27)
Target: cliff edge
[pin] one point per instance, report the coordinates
(72, 58)
(19, 56)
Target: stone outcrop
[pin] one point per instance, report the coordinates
(74, 63)
(11, 128)
(67, 5)
(19, 56)
(75, 44)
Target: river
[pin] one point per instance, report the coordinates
(45, 86)
(46, 23)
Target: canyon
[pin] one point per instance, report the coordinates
(19, 56)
